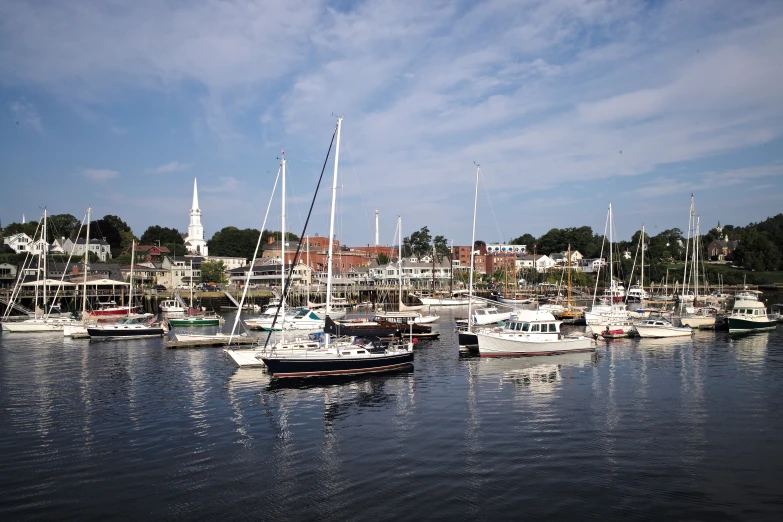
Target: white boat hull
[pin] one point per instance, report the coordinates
(445, 301)
(334, 314)
(657, 332)
(698, 321)
(37, 326)
(492, 344)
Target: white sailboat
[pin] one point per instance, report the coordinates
(46, 322)
(609, 315)
(690, 315)
(338, 357)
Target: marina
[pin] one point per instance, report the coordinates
(91, 428)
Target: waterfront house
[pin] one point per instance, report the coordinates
(149, 253)
(98, 246)
(7, 275)
(19, 242)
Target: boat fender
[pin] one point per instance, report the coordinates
(415, 340)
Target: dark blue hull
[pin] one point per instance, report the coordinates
(312, 367)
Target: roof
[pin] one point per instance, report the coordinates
(93, 241)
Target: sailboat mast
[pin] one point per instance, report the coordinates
(282, 250)
(611, 261)
(133, 261)
(43, 254)
(399, 258)
(569, 275)
(696, 251)
(687, 246)
(472, 252)
(331, 224)
(86, 263)
(641, 294)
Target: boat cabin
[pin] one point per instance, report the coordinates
(532, 327)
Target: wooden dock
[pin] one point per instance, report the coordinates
(206, 343)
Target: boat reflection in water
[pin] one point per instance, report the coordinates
(538, 374)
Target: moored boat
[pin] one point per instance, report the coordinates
(533, 333)
(749, 314)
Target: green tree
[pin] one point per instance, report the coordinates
(28, 228)
(123, 259)
(525, 239)
(213, 272)
(233, 242)
(418, 243)
(442, 249)
(276, 235)
(382, 259)
(63, 225)
(165, 235)
(117, 223)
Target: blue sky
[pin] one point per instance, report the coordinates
(568, 105)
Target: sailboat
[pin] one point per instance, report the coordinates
(339, 357)
(44, 323)
(128, 328)
(609, 317)
(195, 317)
(690, 315)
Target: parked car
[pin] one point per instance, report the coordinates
(159, 288)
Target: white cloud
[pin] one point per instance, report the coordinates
(168, 168)
(100, 175)
(225, 184)
(25, 113)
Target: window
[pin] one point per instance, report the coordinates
(553, 327)
(534, 328)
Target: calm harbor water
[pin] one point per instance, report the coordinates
(682, 428)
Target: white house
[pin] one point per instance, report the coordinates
(591, 265)
(7, 275)
(98, 246)
(19, 242)
(542, 262)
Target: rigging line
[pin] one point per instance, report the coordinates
(290, 186)
(492, 209)
(253, 261)
(299, 244)
(67, 262)
(361, 192)
(20, 276)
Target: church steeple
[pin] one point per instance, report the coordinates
(195, 195)
(195, 242)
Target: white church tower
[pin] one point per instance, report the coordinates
(194, 242)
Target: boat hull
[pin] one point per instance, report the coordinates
(122, 332)
(194, 322)
(332, 365)
(446, 301)
(698, 321)
(108, 312)
(746, 325)
(35, 326)
(651, 332)
(503, 345)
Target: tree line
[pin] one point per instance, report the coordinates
(760, 245)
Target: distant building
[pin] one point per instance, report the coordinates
(194, 241)
(149, 253)
(19, 242)
(7, 275)
(722, 249)
(98, 246)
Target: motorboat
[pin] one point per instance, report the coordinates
(126, 329)
(197, 319)
(657, 327)
(749, 313)
(530, 333)
(171, 306)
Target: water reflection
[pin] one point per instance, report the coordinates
(540, 375)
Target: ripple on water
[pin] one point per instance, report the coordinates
(670, 428)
